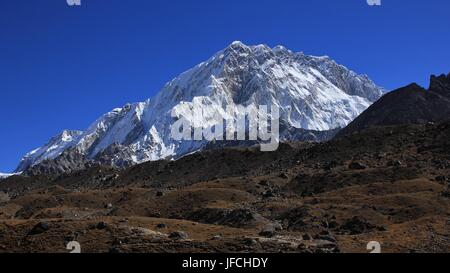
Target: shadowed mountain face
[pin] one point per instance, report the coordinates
(408, 105)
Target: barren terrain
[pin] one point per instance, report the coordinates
(388, 184)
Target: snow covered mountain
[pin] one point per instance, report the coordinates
(313, 93)
(6, 175)
(54, 148)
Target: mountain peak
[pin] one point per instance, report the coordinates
(440, 84)
(55, 147)
(237, 47)
(312, 93)
(237, 44)
(411, 104)
(241, 45)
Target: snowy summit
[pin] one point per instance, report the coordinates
(313, 93)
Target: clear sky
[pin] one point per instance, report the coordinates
(61, 67)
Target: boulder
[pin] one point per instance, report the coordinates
(39, 228)
(178, 235)
(357, 166)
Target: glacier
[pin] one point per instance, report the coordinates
(312, 93)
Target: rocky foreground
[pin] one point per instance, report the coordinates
(389, 185)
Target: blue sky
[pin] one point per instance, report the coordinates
(61, 67)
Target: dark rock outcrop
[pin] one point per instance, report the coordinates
(39, 228)
(227, 217)
(408, 105)
(69, 161)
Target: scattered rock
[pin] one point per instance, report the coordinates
(394, 163)
(250, 242)
(301, 219)
(154, 215)
(4, 197)
(39, 228)
(302, 247)
(101, 225)
(277, 226)
(117, 242)
(330, 165)
(357, 166)
(324, 232)
(327, 238)
(73, 236)
(161, 226)
(356, 226)
(268, 194)
(178, 235)
(441, 178)
(446, 194)
(114, 250)
(333, 224)
(268, 232)
(226, 217)
(323, 244)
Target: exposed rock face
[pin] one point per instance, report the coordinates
(408, 105)
(69, 160)
(233, 218)
(54, 148)
(441, 85)
(315, 95)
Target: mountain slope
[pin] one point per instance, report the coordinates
(408, 105)
(312, 93)
(401, 196)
